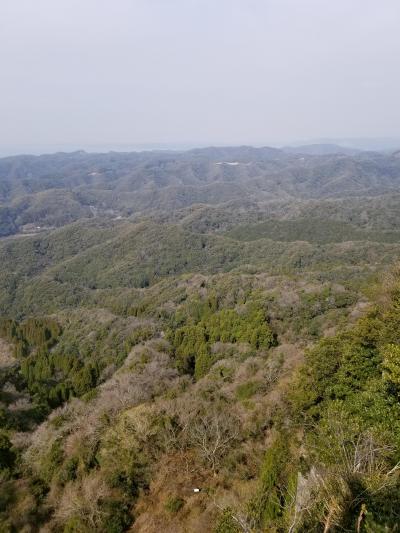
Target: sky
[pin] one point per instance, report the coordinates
(184, 72)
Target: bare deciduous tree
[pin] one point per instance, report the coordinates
(82, 501)
(213, 434)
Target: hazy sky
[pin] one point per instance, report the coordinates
(197, 71)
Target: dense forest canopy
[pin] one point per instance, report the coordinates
(222, 319)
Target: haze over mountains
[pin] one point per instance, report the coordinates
(51, 190)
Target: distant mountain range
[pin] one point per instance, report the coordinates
(308, 145)
(320, 149)
(38, 192)
(374, 144)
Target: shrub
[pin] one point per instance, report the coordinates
(174, 504)
(247, 390)
(226, 523)
(7, 455)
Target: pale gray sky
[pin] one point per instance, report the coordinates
(197, 71)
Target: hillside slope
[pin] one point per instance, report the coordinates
(223, 319)
(53, 190)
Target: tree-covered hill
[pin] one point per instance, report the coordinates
(203, 383)
(79, 262)
(223, 319)
(53, 190)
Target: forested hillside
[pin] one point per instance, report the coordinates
(223, 319)
(38, 193)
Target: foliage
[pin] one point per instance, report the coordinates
(174, 504)
(348, 391)
(226, 523)
(247, 390)
(7, 454)
(193, 343)
(267, 507)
